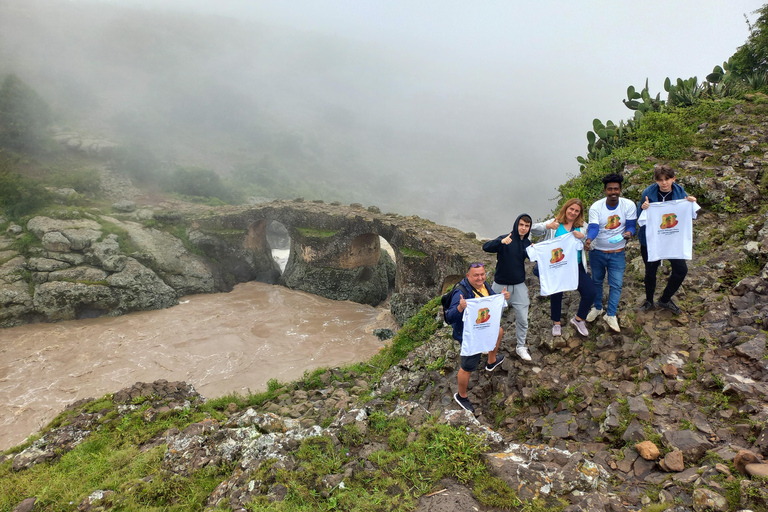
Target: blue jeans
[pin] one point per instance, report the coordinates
(614, 264)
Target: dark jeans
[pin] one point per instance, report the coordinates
(679, 271)
(587, 291)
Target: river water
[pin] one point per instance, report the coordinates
(220, 343)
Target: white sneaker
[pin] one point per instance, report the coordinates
(523, 353)
(612, 322)
(593, 314)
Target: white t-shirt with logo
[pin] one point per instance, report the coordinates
(611, 222)
(669, 229)
(558, 261)
(482, 320)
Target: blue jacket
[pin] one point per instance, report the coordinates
(453, 315)
(652, 193)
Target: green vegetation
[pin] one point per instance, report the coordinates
(412, 253)
(19, 196)
(24, 116)
(200, 185)
(111, 459)
(127, 246)
(316, 233)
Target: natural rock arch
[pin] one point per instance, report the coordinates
(335, 251)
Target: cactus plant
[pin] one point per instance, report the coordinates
(684, 93)
(648, 104)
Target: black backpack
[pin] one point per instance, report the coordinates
(445, 300)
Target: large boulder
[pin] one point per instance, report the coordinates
(140, 289)
(166, 255)
(63, 300)
(366, 284)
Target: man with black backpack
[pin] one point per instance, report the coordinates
(472, 286)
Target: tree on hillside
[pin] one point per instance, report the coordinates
(752, 56)
(24, 116)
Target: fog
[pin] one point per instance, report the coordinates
(465, 113)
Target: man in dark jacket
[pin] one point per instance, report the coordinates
(473, 285)
(510, 274)
(665, 189)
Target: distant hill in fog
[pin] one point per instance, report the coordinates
(301, 113)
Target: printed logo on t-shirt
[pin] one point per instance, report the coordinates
(669, 220)
(557, 255)
(614, 221)
(483, 315)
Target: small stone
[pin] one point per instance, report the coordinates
(673, 461)
(743, 458)
(757, 470)
(706, 500)
(669, 370)
(647, 450)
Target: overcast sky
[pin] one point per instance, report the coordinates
(526, 77)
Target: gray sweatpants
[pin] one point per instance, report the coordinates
(518, 302)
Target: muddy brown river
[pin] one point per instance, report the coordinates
(220, 343)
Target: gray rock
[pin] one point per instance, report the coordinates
(167, 256)
(46, 265)
(707, 500)
(754, 348)
(693, 445)
(124, 206)
(15, 229)
(13, 269)
(106, 254)
(537, 471)
(81, 238)
(61, 300)
(27, 505)
(638, 408)
(42, 225)
(140, 289)
(73, 258)
(56, 242)
(612, 418)
(15, 303)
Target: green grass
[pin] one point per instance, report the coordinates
(412, 253)
(316, 233)
(127, 245)
(110, 459)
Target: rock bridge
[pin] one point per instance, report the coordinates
(335, 251)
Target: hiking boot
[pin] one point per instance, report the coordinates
(557, 330)
(580, 326)
(668, 304)
(491, 367)
(648, 305)
(464, 403)
(593, 314)
(523, 353)
(612, 322)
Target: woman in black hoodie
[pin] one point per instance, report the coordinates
(510, 274)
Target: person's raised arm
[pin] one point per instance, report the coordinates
(495, 244)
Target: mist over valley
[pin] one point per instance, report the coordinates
(415, 124)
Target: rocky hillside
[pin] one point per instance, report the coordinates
(670, 414)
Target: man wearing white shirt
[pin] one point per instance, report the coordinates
(474, 285)
(612, 221)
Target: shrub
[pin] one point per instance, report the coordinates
(24, 116)
(665, 135)
(20, 196)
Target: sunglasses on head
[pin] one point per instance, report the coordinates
(476, 265)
